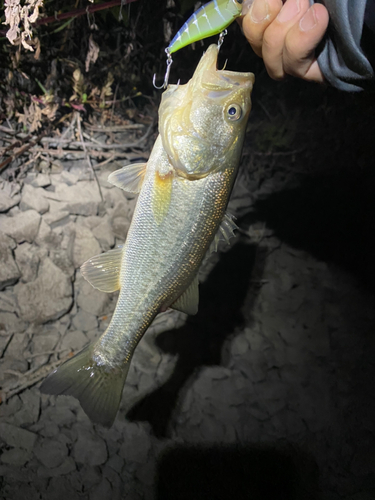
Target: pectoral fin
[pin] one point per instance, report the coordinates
(103, 271)
(188, 301)
(225, 232)
(129, 178)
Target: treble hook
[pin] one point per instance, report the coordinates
(221, 38)
(168, 70)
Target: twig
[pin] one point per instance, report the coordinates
(114, 99)
(81, 154)
(17, 143)
(100, 145)
(29, 378)
(88, 157)
(7, 130)
(108, 160)
(119, 128)
(24, 149)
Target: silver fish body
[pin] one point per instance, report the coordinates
(183, 193)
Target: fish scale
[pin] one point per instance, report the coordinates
(183, 193)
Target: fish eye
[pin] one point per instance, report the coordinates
(234, 112)
(239, 1)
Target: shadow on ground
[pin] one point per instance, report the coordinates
(331, 217)
(199, 342)
(236, 472)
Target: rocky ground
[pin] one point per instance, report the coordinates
(266, 393)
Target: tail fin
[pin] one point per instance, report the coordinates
(98, 388)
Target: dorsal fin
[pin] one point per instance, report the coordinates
(188, 301)
(129, 178)
(103, 271)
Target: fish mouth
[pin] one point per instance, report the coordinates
(210, 78)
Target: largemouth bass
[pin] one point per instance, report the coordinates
(183, 193)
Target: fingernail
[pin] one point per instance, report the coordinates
(259, 11)
(288, 11)
(308, 21)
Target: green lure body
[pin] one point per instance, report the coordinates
(209, 20)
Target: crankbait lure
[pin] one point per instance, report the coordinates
(210, 19)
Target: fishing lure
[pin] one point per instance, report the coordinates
(210, 19)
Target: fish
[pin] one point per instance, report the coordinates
(210, 19)
(178, 219)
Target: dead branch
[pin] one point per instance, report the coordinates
(88, 156)
(29, 379)
(119, 128)
(23, 150)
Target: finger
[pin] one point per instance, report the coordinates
(261, 14)
(275, 35)
(301, 41)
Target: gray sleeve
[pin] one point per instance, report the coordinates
(342, 59)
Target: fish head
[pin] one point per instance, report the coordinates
(202, 124)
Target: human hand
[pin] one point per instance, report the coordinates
(285, 34)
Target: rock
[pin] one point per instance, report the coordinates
(85, 246)
(44, 233)
(16, 437)
(90, 449)
(17, 346)
(85, 321)
(8, 301)
(7, 202)
(90, 299)
(65, 468)
(16, 456)
(60, 257)
(74, 340)
(80, 199)
(116, 463)
(51, 453)
(69, 178)
(56, 217)
(136, 444)
(104, 234)
(48, 297)
(38, 179)
(120, 227)
(103, 490)
(42, 343)
(239, 345)
(22, 227)
(9, 408)
(29, 412)
(60, 488)
(9, 195)
(34, 198)
(27, 259)
(9, 271)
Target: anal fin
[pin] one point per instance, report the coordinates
(188, 301)
(103, 271)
